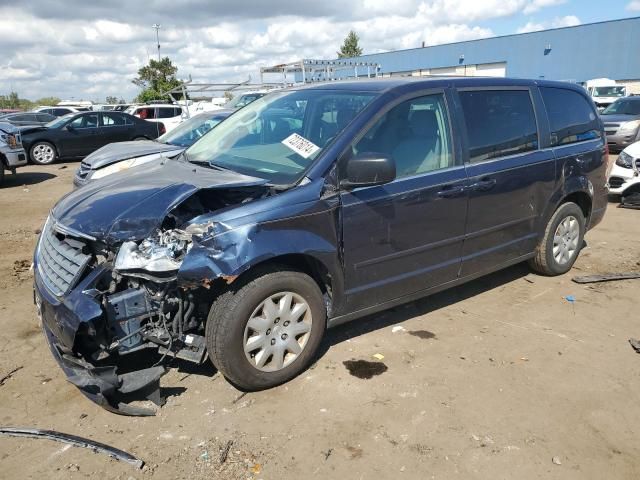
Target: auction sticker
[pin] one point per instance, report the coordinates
(300, 145)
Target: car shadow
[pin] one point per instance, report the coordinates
(25, 178)
(423, 306)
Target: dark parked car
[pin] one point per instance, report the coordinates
(308, 208)
(116, 157)
(78, 134)
(22, 119)
(622, 122)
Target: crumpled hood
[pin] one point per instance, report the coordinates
(116, 152)
(131, 204)
(618, 118)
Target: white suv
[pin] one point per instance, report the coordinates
(169, 115)
(624, 178)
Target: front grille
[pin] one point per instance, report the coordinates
(616, 182)
(60, 261)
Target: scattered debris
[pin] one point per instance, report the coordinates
(570, 298)
(378, 356)
(9, 375)
(556, 460)
(73, 440)
(256, 469)
(364, 369)
(239, 397)
(62, 167)
(205, 456)
(355, 452)
(327, 454)
(398, 328)
(225, 452)
(635, 344)
(527, 279)
(606, 277)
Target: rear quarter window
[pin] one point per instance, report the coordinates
(572, 117)
(499, 123)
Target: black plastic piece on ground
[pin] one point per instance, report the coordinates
(75, 441)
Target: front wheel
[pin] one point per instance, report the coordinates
(559, 248)
(267, 330)
(42, 153)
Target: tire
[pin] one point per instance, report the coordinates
(560, 246)
(1, 173)
(228, 328)
(137, 139)
(43, 153)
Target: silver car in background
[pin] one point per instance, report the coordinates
(12, 155)
(120, 156)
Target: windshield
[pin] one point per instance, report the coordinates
(185, 134)
(608, 91)
(59, 121)
(623, 107)
(243, 100)
(278, 136)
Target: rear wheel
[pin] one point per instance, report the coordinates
(140, 138)
(42, 153)
(562, 241)
(1, 172)
(267, 330)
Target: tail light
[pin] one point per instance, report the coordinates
(162, 129)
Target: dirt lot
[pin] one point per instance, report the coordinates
(502, 378)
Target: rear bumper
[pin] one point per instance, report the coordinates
(100, 383)
(15, 158)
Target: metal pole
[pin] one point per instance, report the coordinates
(157, 27)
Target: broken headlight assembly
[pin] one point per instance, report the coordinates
(161, 253)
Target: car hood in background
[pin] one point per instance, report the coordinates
(116, 152)
(7, 127)
(130, 205)
(616, 118)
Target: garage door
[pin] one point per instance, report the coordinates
(491, 69)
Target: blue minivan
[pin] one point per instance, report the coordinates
(310, 207)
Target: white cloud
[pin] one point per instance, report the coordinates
(558, 22)
(634, 6)
(93, 49)
(536, 5)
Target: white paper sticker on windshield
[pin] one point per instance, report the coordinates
(300, 145)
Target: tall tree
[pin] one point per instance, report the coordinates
(350, 47)
(111, 100)
(48, 101)
(155, 78)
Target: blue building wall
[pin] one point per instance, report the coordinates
(607, 49)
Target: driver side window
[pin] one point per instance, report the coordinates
(415, 134)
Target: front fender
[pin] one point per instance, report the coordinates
(233, 252)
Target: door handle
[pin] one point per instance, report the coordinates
(484, 185)
(450, 191)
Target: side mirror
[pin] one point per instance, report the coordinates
(368, 169)
(70, 128)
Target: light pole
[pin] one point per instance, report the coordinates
(157, 27)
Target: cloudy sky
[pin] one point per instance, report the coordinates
(88, 50)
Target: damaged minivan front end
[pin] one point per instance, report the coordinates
(109, 288)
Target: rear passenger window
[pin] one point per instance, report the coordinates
(167, 112)
(499, 123)
(415, 134)
(571, 117)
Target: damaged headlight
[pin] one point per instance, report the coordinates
(162, 253)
